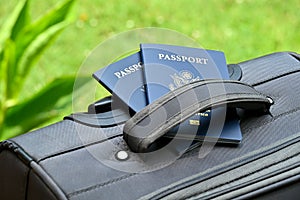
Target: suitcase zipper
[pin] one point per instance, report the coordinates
(268, 176)
(193, 181)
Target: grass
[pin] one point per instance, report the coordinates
(243, 29)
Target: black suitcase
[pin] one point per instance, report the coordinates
(107, 154)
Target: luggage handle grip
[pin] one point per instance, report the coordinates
(151, 123)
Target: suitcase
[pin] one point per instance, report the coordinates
(106, 153)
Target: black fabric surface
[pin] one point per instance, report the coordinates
(76, 156)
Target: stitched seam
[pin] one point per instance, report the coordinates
(78, 148)
(245, 131)
(244, 176)
(273, 119)
(131, 123)
(225, 169)
(98, 186)
(157, 104)
(258, 179)
(182, 115)
(185, 156)
(277, 76)
(94, 187)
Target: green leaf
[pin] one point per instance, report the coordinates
(8, 69)
(13, 131)
(14, 22)
(28, 34)
(21, 45)
(3, 67)
(22, 20)
(31, 112)
(37, 48)
(2, 78)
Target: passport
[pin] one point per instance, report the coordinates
(124, 79)
(167, 67)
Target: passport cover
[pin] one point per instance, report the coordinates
(168, 67)
(124, 79)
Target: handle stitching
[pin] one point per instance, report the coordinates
(160, 102)
(177, 118)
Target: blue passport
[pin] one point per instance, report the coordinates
(124, 79)
(168, 67)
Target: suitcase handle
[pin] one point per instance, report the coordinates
(151, 123)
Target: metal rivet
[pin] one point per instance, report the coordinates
(122, 155)
(270, 100)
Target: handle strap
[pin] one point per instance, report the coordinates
(157, 118)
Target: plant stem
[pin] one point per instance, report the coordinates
(2, 117)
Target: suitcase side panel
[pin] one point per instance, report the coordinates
(37, 189)
(13, 176)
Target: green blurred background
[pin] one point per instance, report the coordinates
(243, 29)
